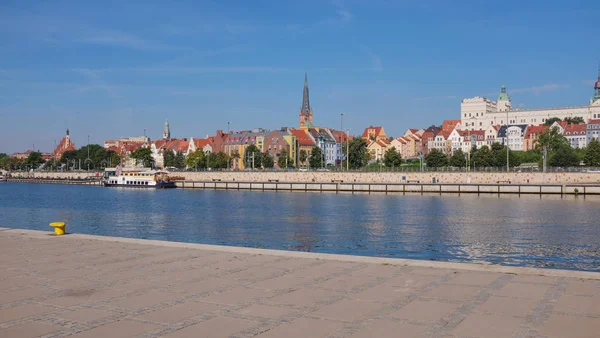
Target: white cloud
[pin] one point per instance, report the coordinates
(120, 39)
(540, 89)
(588, 82)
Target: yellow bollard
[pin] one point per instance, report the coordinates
(59, 228)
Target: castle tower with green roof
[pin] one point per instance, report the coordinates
(504, 103)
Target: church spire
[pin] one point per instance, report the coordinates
(305, 110)
(167, 131)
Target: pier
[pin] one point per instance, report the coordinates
(92, 286)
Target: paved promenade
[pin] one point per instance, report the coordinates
(86, 286)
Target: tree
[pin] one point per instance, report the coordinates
(179, 161)
(316, 158)
(283, 161)
(392, 158)
(564, 157)
(68, 157)
(267, 160)
(197, 159)
(142, 156)
(551, 121)
(34, 160)
(436, 159)
(218, 160)
(302, 156)
(458, 159)
(168, 158)
(592, 154)
(4, 161)
(552, 139)
(574, 120)
(358, 156)
(252, 156)
(482, 157)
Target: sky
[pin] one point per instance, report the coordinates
(112, 69)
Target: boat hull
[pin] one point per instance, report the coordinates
(162, 185)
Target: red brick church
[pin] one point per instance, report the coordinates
(65, 145)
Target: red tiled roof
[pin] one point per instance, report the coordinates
(594, 121)
(376, 129)
(574, 129)
(302, 138)
(449, 125)
(427, 135)
(534, 130)
(339, 135)
(202, 142)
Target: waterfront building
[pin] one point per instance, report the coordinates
(576, 134)
(377, 149)
(427, 138)
(66, 144)
(340, 141)
(374, 134)
(513, 136)
(531, 135)
(218, 141)
(280, 140)
(236, 143)
(324, 140)
(402, 146)
(205, 144)
(303, 142)
(491, 135)
(480, 112)
(167, 131)
(472, 138)
(306, 113)
(159, 147)
(593, 129)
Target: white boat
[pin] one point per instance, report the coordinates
(115, 177)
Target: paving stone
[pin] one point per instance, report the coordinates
(474, 278)
(382, 328)
(453, 292)
(22, 311)
(425, 310)
(206, 285)
(266, 311)
(346, 309)
(179, 312)
(120, 329)
(580, 287)
(519, 307)
(85, 315)
(237, 295)
(523, 290)
(478, 325)
(570, 326)
(142, 301)
(83, 296)
(280, 283)
(23, 294)
(382, 293)
(578, 304)
(29, 330)
(410, 280)
(345, 283)
(219, 327)
(303, 297)
(303, 328)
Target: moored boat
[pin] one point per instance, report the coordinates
(138, 179)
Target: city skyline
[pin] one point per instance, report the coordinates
(119, 80)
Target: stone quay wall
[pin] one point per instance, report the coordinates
(373, 177)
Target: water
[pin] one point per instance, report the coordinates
(529, 231)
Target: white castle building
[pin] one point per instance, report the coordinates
(478, 113)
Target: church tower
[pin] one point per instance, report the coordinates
(504, 103)
(596, 98)
(167, 131)
(306, 114)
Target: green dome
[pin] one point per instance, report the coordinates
(503, 96)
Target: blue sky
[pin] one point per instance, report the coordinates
(115, 68)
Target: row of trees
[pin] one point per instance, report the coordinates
(91, 156)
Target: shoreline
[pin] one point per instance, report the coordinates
(463, 266)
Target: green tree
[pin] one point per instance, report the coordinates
(563, 157)
(267, 160)
(458, 159)
(179, 161)
(302, 156)
(392, 158)
(316, 158)
(551, 121)
(552, 139)
(284, 160)
(112, 158)
(142, 156)
(68, 157)
(358, 156)
(482, 157)
(34, 160)
(252, 154)
(436, 159)
(592, 154)
(197, 159)
(168, 158)
(4, 161)
(574, 120)
(218, 160)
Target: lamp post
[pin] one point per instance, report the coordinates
(341, 140)
(507, 149)
(347, 150)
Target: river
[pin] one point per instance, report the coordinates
(532, 231)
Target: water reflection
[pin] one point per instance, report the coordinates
(511, 230)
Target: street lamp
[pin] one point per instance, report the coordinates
(507, 149)
(341, 140)
(347, 150)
